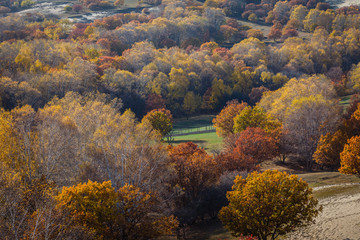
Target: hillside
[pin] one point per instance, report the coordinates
(179, 119)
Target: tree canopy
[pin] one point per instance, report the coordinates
(268, 204)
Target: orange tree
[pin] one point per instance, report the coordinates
(127, 213)
(252, 146)
(329, 148)
(268, 204)
(331, 145)
(194, 169)
(350, 157)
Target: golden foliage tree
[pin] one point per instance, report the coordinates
(125, 214)
(160, 119)
(350, 157)
(329, 148)
(268, 204)
(255, 117)
(306, 121)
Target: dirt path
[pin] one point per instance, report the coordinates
(339, 220)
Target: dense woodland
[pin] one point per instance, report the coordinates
(87, 109)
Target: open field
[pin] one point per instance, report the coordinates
(340, 217)
(209, 141)
(320, 179)
(191, 126)
(345, 102)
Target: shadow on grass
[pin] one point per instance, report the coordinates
(184, 141)
(212, 229)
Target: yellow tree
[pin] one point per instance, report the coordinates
(57, 145)
(268, 204)
(161, 120)
(192, 102)
(125, 214)
(255, 117)
(9, 145)
(278, 102)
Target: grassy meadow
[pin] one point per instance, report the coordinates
(208, 140)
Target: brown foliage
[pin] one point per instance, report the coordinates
(252, 146)
(290, 33)
(154, 101)
(256, 94)
(194, 169)
(275, 31)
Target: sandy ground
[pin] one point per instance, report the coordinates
(339, 220)
(343, 3)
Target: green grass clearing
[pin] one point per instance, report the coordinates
(209, 141)
(345, 102)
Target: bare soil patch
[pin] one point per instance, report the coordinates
(340, 219)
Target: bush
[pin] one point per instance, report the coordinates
(67, 8)
(27, 3)
(77, 8)
(4, 9)
(253, 18)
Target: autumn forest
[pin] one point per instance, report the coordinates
(87, 110)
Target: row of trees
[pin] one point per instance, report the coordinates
(199, 76)
(204, 79)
